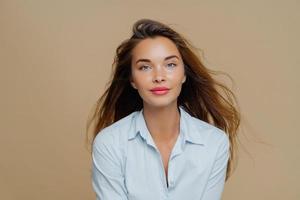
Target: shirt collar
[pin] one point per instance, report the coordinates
(187, 127)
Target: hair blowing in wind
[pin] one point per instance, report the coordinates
(202, 96)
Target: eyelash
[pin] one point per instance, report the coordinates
(173, 64)
(142, 67)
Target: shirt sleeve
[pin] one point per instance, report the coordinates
(216, 181)
(107, 177)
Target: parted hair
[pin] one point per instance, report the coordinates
(202, 96)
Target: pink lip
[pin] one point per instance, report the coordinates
(160, 90)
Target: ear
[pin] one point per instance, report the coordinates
(132, 83)
(184, 79)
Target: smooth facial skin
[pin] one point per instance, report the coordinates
(156, 62)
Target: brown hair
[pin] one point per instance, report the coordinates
(199, 95)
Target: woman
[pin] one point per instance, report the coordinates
(162, 129)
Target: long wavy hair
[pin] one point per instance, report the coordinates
(201, 95)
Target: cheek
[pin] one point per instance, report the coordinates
(140, 81)
(177, 78)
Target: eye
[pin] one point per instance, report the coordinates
(144, 67)
(171, 65)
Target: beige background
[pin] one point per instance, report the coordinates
(56, 57)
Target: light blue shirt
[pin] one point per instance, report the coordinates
(127, 165)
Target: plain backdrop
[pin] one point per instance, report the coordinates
(56, 58)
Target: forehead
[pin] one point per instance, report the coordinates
(155, 48)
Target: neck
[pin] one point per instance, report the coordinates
(162, 122)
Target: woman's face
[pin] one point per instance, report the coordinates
(157, 71)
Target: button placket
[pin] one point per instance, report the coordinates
(163, 174)
(170, 174)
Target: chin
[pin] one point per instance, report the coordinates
(160, 102)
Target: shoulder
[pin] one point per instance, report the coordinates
(216, 141)
(210, 133)
(116, 133)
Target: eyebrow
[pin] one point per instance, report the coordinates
(147, 60)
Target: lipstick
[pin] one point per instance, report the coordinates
(159, 90)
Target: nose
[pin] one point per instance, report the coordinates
(158, 75)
